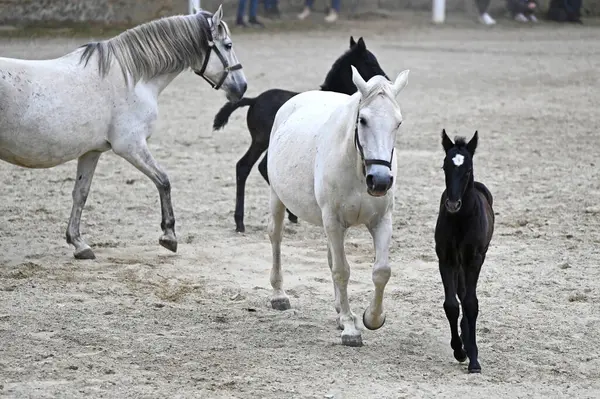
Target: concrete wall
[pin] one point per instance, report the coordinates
(137, 11)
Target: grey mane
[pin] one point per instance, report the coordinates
(166, 45)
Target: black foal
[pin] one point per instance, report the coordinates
(263, 108)
(463, 232)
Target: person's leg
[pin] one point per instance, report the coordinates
(252, 14)
(333, 11)
(484, 17)
(307, 8)
(240, 12)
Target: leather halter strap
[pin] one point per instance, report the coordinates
(367, 162)
(226, 68)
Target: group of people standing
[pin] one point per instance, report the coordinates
(521, 10)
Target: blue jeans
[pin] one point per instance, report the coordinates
(270, 4)
(242, 7)
(335, 4)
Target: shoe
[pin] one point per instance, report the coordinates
(521, 18)
(304, 14)
(332, 16)
(240, 22)
(255, 23)
(486, 19)
(533, 18)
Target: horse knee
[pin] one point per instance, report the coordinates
(381, 274)
(471, 306)
(451, 308)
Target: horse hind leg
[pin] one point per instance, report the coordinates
(279, 300)
(262, 168)
(450, 277)
(139, 156)
(86, 165)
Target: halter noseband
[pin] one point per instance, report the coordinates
(367, 162)
(226, 67)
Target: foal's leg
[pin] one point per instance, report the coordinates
(86, 165)
(279, 300)
(242, 171)
(374, 316)
(470, 306)
(262, 168)
(449, 275)
(340, 272)
(139, 156)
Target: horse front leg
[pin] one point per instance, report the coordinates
(470, 305)
(340, 272)
(86, 165)
(374, 316)
(139, 156)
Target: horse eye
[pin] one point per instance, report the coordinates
(363, 121)
(229, 46)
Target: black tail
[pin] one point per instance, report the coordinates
(222, 117)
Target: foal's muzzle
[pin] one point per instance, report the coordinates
(453, 206)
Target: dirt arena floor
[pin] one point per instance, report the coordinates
(141, 322)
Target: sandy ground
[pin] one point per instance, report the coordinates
(140, 322)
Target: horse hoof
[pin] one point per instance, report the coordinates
(377, 324)
(460, 355)
(293, 218)
(352, 340)
(240, 229)
(168, 242)
(281, 303)
(475, 370)
(85, 253)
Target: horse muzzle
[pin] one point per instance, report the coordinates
(378, 185)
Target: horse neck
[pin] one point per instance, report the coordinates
(469, 199)
(159, 83)
(334, 82)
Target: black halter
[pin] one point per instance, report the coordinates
(367, 162)
(226, 67)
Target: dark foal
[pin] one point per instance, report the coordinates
(264, 107)
(463, 232)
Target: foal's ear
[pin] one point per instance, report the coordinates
(217, 16)
(400, 82)
(352, 42)
(446, 142)
(472, 144)
(358, 80)
(361, 44)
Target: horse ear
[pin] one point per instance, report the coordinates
(446, 142)
(472, 144)
(217, 16)
(361, 44)
(352, 42)
(400, 82)
(358, 80)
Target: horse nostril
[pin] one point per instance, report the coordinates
(370, 181)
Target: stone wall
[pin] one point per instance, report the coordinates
(137, 11)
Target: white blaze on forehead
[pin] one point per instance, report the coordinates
(458, 159)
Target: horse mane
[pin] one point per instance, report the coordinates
(380, 85)
(166, 45)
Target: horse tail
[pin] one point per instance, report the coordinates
(222, 117)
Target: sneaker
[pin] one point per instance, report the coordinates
(255, 23)
(486, 19)
(521, 18)
(240, 22)
(304, 13)
(533, 18)
(332, 16)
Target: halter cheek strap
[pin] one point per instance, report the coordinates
(226, 68)
(367, 162)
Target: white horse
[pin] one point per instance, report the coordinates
(104, 96)
(331, 162)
